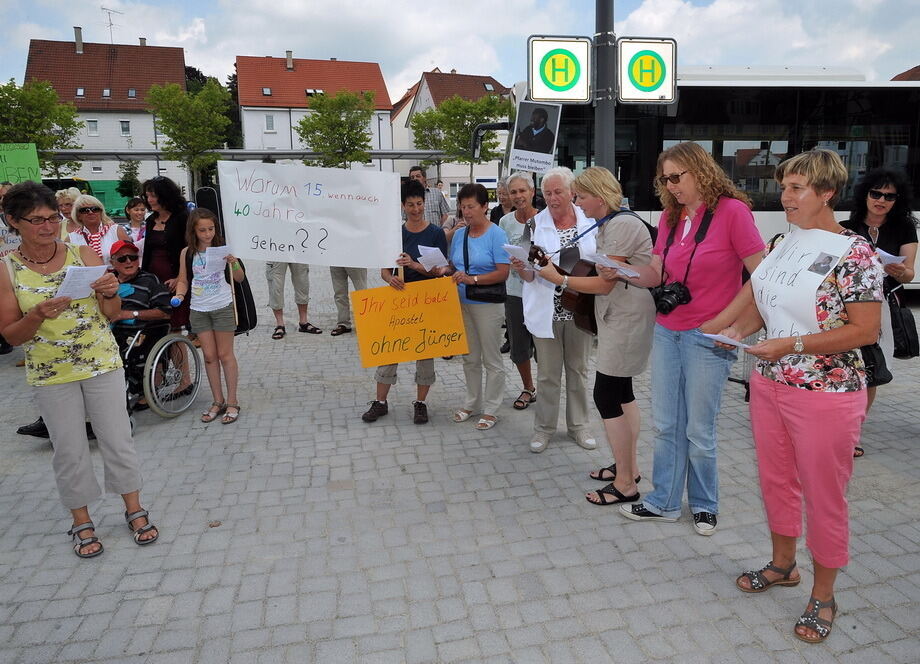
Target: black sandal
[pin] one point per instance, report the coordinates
(612, 469)
(141, 530)
(858, 452)
(760, 583)
(811, 620)
(309, 328)
(279, 332)
(340, 329)
(611, 490)
(520, 403)
(82, 542)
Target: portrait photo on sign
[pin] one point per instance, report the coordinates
(536, 127)
(823, 263)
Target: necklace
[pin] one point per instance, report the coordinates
(34, 262)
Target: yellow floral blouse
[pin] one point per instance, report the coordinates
(76, 345)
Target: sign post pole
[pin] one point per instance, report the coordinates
(605, 100)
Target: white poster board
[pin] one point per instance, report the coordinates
(9, 241)
(536, 129)
(303, 214)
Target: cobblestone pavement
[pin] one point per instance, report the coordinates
(341, 541)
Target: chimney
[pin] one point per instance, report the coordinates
(78, 39)
(143, 41)
(290, 60)
(453, 71)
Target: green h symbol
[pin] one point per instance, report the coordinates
(564, 69)
(650, 70)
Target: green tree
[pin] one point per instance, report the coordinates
(129, 185)
(195, 79)
(337, 128)
(193, 124)
(235, 132)
(34, 114)
(458, 119)
(428, 134)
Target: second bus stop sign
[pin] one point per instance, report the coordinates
(646, 70)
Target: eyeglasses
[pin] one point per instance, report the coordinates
(673, 178)
(875, 194)
(38, 221)
(90, 210)
(129, 257)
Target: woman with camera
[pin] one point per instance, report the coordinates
(706, 235)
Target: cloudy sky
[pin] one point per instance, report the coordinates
(877, 37)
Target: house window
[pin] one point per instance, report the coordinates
(92, 127)
(311, 91)
(106, 92)
(489, 87)
(269, 122)
(266, 92)
(96, 168)
(132, 93)
(80, 92)
(125, 127)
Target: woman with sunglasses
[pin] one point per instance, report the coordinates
(96, 230)
(72, 362)
(688, 372)
(882, 215)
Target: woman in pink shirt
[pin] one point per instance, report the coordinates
(706, 235)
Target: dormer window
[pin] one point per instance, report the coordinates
(489, 87)
(106, 92)
(80, 92)
(266, 92)
(132, 93)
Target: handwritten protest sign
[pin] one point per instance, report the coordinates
(301, 214)
(422, 321)
(19, 162)
(9, 241)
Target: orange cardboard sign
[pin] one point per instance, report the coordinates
(422, 321)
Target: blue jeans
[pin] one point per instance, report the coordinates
(688, 375)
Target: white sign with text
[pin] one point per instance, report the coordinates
(303, 214)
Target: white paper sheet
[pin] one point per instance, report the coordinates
(77, 280)
(214, 259)
(601, 259)
(520, 253)
(431, 257)
(725, 340)
(889, 259)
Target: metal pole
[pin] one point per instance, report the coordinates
(604, 91)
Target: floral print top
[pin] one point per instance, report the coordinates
(76, 345)
(857, 278)
(560, 312)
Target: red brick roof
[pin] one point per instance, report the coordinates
(912, 74)
(405, 99)
(444, 86)
(115, 67)
(288, 88)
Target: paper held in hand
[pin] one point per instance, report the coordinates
(431, 257)
(520, 253)
(77, 280)
(889, 259)
(601, 259)
(214, 259)
(721, 338)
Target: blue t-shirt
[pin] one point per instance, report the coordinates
(430, 236)
(485, 254)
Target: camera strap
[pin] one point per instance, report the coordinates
(697, 238)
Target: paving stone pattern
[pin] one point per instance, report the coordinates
(340, 541)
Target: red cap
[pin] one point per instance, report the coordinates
(122, 244)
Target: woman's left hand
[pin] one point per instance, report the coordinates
(551, 274)
(230, 258)
(106, 285)
(771, 350)
(895, 270)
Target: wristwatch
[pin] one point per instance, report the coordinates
(798, 346)
(475, 278)
(135, 314)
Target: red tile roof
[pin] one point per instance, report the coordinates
(289, 87)
(115, 67)
(912, 74)
(405, 99)
(444, 86)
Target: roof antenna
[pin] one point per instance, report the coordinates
(111, 24)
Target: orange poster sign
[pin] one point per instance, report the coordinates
(422, 321)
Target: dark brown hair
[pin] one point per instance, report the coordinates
(198, 214)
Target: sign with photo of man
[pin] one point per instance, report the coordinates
(535, 130)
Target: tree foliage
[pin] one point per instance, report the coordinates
(428, 134)
(129, 185)
(235, 132)
(195, 79)
(337, 128)
(33, 114)
(192, 123)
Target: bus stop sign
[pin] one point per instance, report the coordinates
(559, 69)
(646, 70)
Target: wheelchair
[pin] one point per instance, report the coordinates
(162, 367)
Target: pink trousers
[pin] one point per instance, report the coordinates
(805, 442)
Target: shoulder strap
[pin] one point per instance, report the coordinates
(466, 250)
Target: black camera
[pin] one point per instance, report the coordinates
(669, 296)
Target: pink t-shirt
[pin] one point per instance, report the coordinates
(715, 274)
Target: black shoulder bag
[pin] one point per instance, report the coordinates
(491, 293)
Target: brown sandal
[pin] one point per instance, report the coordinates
(230, 418)
(210, 414)
(340, 329)
(521, 403)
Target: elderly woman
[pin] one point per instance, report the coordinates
(706, 236)
(625, 317)
(882, 215)
(564, 230)
(73, 363)
(65, 199)
(164, 237)
(478, 259)
(808, 392)
(95, 229)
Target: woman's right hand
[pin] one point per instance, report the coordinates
(395, 282)
(731, 332)
(51, 308)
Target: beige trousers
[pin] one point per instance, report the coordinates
(483, 324)
(340, 277)
(569, 350)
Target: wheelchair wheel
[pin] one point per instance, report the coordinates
(172, 375)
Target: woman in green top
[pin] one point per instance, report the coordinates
(72, 361)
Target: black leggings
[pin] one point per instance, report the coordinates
(610, 393)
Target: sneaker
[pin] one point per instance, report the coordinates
(37, 429)
(637, 512)
(704, 523)
(377, 409)
(539, 442)
(420, 412)
(586, 442)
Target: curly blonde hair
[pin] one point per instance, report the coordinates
(711, 180)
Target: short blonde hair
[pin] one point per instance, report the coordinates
(823, 170)
(71, 194)
(598, 181)
(85, 200)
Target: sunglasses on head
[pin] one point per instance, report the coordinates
(875, 194)
(673, 178)
(88, 210)
(128, 257)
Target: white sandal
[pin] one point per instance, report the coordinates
(484, 424)
(461, 415)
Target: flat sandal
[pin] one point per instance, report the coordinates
(210, 414)
(760, 583)
(230, 418)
